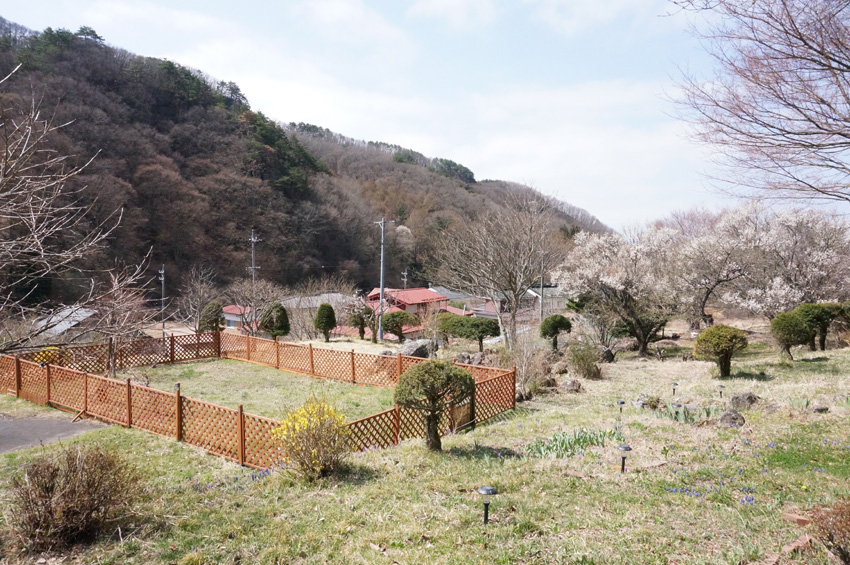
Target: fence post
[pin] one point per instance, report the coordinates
(197, 346)
(17, 377)
(248, 346)
(513, 390)
(129, 404)
(85, 393)
(217, 343)
(47, 374)
(353, 369)
(398, 367)
(171, 347)
(241, 432)
(276, 353)
(396, 425)
(312, 367)
(472, 405)
(179, 413)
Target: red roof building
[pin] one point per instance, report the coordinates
(417, 301)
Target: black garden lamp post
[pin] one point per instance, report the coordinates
(720, 388)
(621, 403)
(625, 449)
(674, 388)
(676, 407)
(486, 493)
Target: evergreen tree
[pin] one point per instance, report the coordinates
(325, 320)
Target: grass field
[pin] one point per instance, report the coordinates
(261, 390)
(692, 493)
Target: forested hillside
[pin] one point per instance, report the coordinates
(193, 169)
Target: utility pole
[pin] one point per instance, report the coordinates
(404, 278)
(254, 241)
(162, 298)
(383, 224)
(541, 291)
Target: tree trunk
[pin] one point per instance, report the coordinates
(812, 346)
(785, 351)
(822, 338)
(724, 362)
(555, 342)
(432, 432)
(481, 345)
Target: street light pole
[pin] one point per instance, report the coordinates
(383, 224)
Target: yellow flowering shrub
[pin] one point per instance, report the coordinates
(313, 438)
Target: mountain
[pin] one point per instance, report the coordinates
(194, 168)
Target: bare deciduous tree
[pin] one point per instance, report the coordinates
(502, 255)
(44, 231)
(306, 297)
(197, 291)
(255, 299)
(776, 106)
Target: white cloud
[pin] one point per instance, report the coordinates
(458, 13)
(351, 21)
(572, 17)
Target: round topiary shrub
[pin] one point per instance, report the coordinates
(790, 329)
(720, 343)
(275, 322)
(554, 325)
(431, 387)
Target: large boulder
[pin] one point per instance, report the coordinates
(464, 358)
(570, 386)
(732, 418)
(422, 348)
(743, 401)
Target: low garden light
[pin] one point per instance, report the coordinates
(676, 407)
(621, 403)
(625, 449)
(487, 492)
(720, 388)
(674, 388)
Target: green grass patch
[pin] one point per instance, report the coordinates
(261, 390)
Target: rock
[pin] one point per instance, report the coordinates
(646, 401)
(387, 352)
(606, 355)
(732, 418)
(570, 386)
(422, 348)
(476, 358)
(463, 357)
(820, 409)
(693, 408)
(559, 368)
(743, 401)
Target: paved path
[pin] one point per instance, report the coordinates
(30, 431)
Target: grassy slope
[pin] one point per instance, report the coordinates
(679, 502)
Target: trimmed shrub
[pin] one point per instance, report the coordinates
(467, 327)
(554, 325)
(833, 529)
(275, 322)
(720, 343)
(69, 496)
(359, 318)
(818, 317)
(582, 360)
(394, 323)
(211, 319)
(790, 329)
(431, 387)
(313, 439)
(325, 320)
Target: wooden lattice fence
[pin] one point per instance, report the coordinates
(62, 378)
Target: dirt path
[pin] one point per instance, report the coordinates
(30, 431)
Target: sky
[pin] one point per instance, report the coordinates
(571, 97)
